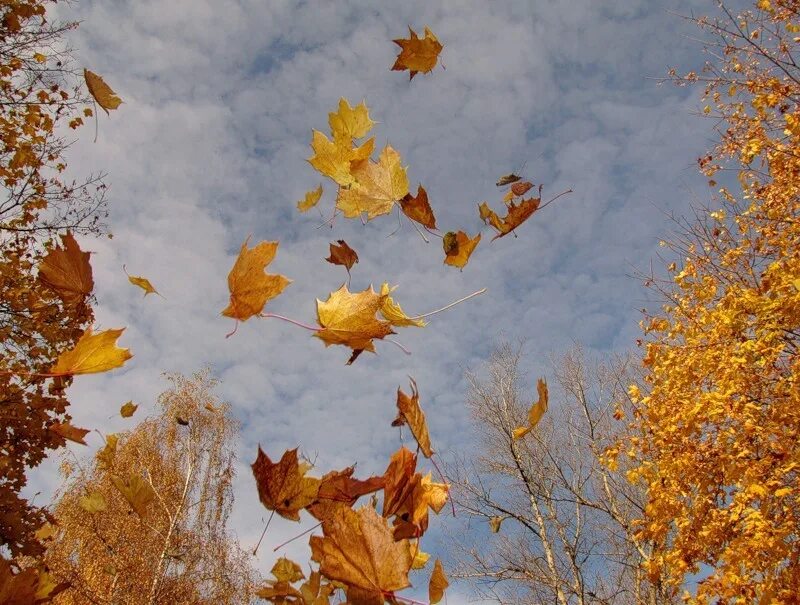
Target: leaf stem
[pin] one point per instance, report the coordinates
(255, 550)
(297, 536)
(398, 345)
(548, 202)
(291, 321)
(452, 304)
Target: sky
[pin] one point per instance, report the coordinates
(210, 147)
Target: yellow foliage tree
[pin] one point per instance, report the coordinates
(718, 445)
(147, 523)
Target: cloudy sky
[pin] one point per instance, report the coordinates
(211, 146)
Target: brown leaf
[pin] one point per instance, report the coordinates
(418, 209)
(521, 188)
(358, 549)
(400, 479)
(68, 271)
(417, 54)
(409, 412)
(128, 409)
(412, 516)
(458, 248)
(136, 491)
(517, 214)
(507, 179)
(339, 488)
(102, 93)
(283, 486)
(342, 255)
(67, 431)
(438, 583)
(536, 412)
(249, 285)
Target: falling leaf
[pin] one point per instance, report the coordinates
(95, 502)
(521, 188)
(333, 158)
(279, 593)
(394, 313)
(418, 208)
(138, 492)
(92, 353)
(286, 570)
(536, 412)
(349, 319)
(378, 185)
(47, 531)
(517, 214)
(494, 524)
(417, 54)
(400, 479)
(106, 455)
(128, 409)
(358, 549)
(67, 431)
(339, 488)
(409, 412)
(249, 285)
(438, 583)
(412, 515)
(102, 93)
(458, 248)
(342, 255)
(507, 179)
(348, 122)
(311, 199)
(142, 283)
(420, 557)
(283, 486)
(68, 271)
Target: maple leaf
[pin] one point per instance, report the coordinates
(412, 515)
(378, 185)
(283, 486)
(349, 122)
(249, 285)
(536, 412)
(67, 431)
(409, 412)
(458, 247)
(517, 214)
(286, 570)
(507, 179)
(417, 54)
(95, 502)
(128, 409)
(138, 492)
(358, 549)
(100, 91)
(394, 313)
(68, 271)
(339, 488)
(106, 455)
(348, 319)
(92, 353)
(310, 200)
(438, 583)
(418, 208)
(141, 282)
(333, 158)
(342, 255)
(400, 479)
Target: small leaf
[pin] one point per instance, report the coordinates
(286, 570)
(409, 412)
(394, 313)
(128, 409)
(67, 431)
(310, 200)
(283, 486)
(142, 283)
(536, 412)
(417, 54)
(438, 583)
(418, 208)
(494, 524)
(458, 247)
(342, 255)
(102, 93)
(507, 179)
(350, 123)
(420, 557)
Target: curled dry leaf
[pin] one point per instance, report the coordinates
(517, 214)
(283, 486)
(141, 282)
(418, 208)
(92, 353)
(409, 412)
(394, 313)
(343, 255)
(310, 200)
(458, 247)
(250, 287)
(136, 491)
(102, 93)
(521, 188)
(438, 583)
(417, 54)
(400, 479)
(536, 412)
(348, 319)
(68, 271)
(376, 187)
(358, 549)
(67, 431)
(507, 179)
(420, 557)
(128, 409)
(350, 123)
(411, 520)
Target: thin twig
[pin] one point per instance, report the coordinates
(255, 550)
(452, 304)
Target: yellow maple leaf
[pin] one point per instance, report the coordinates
(394, 312)
(458, 247)
(249, 285)
(92, 353)
(310, 200)
(417, 54)
(377, 187)
(350, 122)
(333, 158)
(102, 93)
(136, 491)
(536, 412)
(95, 502)
(128, 409)
(141, 282)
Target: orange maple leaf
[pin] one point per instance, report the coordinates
(339, 488)
(438, 583)
(418, 208)
(67, 431)
(517, 214)
(536, 412)
(409, 412)
(417, 54)
(249, 285)
(68, 271)
(400, 479)
(283, 486)
(458, 247)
